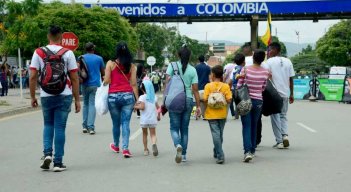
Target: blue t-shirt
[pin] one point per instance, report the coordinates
(203, 73)
(94, 64)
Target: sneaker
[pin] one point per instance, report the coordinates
(92, 132)
(154, 150)
(85, 130)
(253, 155)
(126, 153)
(114, 148)
(286, 143)
(45, 165)
(138, 116)
(220, 161)
(146, 152)
(278, 146)
(178, 157)
(184, 158)
(59, 168)
(247, 157)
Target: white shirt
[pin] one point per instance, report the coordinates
(228, 71)
(69, 59)
(282, 69)
(149, 114)
(248, 61)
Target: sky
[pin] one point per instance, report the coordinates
(239, 32)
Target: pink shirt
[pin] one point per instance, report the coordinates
(256, 80)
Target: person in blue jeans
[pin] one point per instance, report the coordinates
(95, 66)
(255, 77)
(120, 74)
(55, 107)
(179, 122)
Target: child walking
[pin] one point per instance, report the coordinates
(150, 114)
(217, 96)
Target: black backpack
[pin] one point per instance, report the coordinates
(53, 77)
(83, 72)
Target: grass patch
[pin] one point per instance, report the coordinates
(4, 103)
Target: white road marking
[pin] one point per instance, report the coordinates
(306, 127)
(19, 115)
(135, 134)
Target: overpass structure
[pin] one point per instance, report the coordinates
(235, 10)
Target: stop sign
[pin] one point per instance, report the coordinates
(70, 41)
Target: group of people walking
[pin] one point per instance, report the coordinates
(128, 92)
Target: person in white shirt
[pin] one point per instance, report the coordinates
(55, 105)
(282, 71)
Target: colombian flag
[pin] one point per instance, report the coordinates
(267, 37)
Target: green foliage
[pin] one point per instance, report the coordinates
(307, 62)
(335, 46)
(104, 27)
(196, 48)
(153, 39)
(230, 58)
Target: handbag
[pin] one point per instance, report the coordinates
(242, 99)
(272, 101)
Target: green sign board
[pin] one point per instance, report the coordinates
(332, 89)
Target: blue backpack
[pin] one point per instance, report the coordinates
(175, 95)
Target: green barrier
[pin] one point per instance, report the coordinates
(332, 89)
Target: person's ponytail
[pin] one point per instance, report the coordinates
(184, 54)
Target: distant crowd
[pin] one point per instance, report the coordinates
(10, 78)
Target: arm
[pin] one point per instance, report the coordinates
(73, 75)
(133, 82)
(291, 99)
(102, 69)
(228, 94)
(139, 105)
(33, 86)
(195, 89)
(107, 79)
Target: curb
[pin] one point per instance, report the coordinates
(17, 111)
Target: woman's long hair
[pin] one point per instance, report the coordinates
(140, 71)
(124, 56)
(184, 54)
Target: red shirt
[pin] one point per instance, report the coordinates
(120, 82)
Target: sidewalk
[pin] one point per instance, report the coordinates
(12, 104)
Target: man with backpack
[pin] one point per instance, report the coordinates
(91, 67)
(58, 79)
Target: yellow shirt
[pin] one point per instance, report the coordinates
(211, 113)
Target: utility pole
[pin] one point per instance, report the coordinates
(298, 38)
(276, 32)
(73, 1)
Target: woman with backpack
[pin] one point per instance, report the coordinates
(123, 90)
(255, 77)
(179, 120)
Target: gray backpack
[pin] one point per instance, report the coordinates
(175, 95)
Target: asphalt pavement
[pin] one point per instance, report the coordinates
(317, 161)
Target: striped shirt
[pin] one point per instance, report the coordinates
(256, 80)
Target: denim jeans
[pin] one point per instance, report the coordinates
(179, 123)
(217, 127)
(89, 112)
(55, 111)
(280, 122)
(249, 123)
(121, 107)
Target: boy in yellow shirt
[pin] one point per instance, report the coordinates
(216, 95)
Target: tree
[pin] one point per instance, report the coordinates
(153, 39)
(104, 27)
(335, 46)
(196, 48)
(307, 62)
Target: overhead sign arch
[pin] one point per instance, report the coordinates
(239, 10)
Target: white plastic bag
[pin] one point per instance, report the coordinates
(101, 100)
